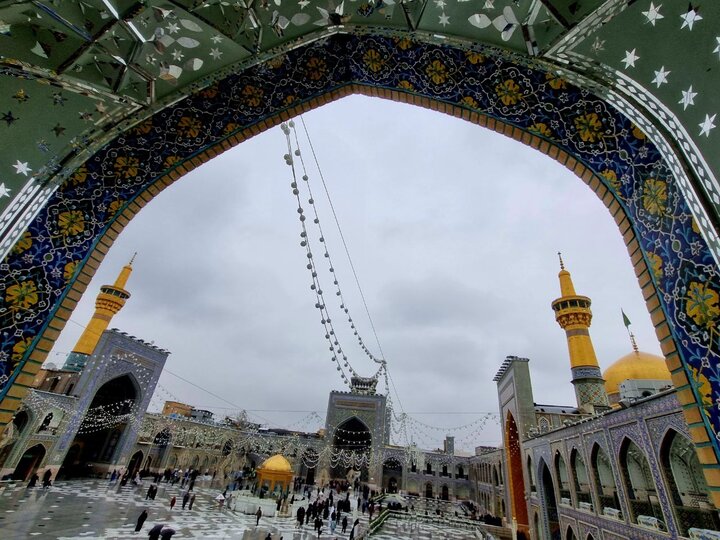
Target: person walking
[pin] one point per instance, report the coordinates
(258, 515)
(154, 533)
(192, 501)
(172, 502)
(46, 479)
(149, 493)
(33, 480)
(268, 537)
(141, 519)
(186, 498)
(344, 524)
(353, 531)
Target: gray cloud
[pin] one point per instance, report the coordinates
(453, 231)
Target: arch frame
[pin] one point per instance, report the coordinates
(696, 390)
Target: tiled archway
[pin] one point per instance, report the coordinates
(50, 266)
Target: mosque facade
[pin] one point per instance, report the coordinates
(84, 418)
(618, 464)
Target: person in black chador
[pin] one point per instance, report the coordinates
(46, 479)
(154, 533)
(33, 480)
(141, 519)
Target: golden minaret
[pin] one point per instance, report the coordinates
(572, 313)
(109, 301)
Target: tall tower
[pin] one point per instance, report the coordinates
(572, 312)
(110, 300)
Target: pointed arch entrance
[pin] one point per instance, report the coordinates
(643, 183)
(29, 462)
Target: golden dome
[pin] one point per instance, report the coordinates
(276, 463)
(636, 365)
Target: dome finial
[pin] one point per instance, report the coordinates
(634, 343)
(132, 259)
(562, 265)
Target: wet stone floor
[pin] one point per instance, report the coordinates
(79, 509)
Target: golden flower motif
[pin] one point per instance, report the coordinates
(189, 126)
(79, 176)
(373, 60)
(404, 43)
(127, 166)
(289, 100)
(474, 57)
(702, 304)
(230, 128)
(405, 85)
(252, 95)
(437, 72)
(704, 389)
(143, 128)
(638, 133)
(694, 225)
(589, 127)
(276, 62)
(655, 196)
(209, 92)
(69, 270)
(541, 129)
(71, 222)
(171, 160)
(115, 206)
(555, 82)
(22, 295)
(612, 179)
(23, 244)
(508, 92)
(20, 347)
(315, 68)
(656, 265)
(469, 101)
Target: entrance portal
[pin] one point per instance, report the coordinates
(99, 442)
(29, 462)
(351, 447)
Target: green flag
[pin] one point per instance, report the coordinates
(626, 321)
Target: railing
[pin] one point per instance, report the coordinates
(456, 522)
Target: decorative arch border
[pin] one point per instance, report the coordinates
(44, 276)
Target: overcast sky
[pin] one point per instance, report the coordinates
(453, 230)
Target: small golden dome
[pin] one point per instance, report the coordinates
(636, 365)
(276, 463)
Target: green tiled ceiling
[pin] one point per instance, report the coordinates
(72, 70)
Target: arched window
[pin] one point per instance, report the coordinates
(543, 425)
(570, 534)
(460, 472)
(428, 490)
(531, 475)
(428, 468)
(642, 497)
(444, 470)
(580, 479)
(606, 490)
(686, 483)
(562, 476)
